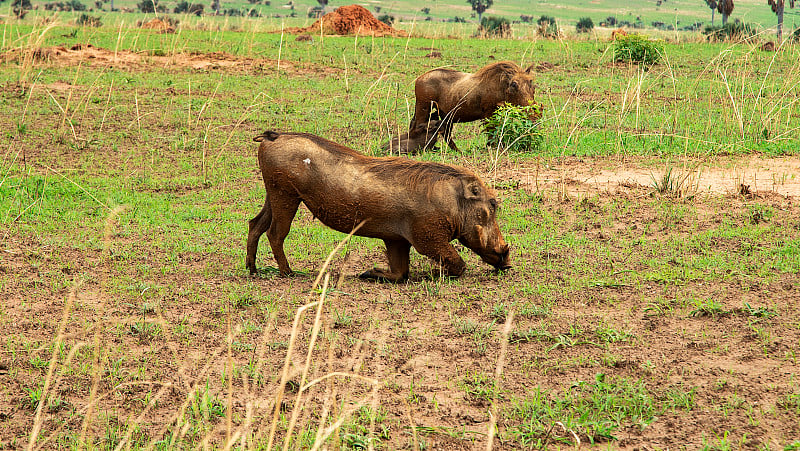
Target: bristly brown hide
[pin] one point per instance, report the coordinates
(452, 96)
(403, 202)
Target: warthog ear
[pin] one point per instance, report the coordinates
(529, 70)
(472, 191)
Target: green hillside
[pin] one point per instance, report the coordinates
(422, 13)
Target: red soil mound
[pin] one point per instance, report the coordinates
(352, 19)
(160, 25)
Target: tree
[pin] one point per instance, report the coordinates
(480, 6)
(713, 5)
(777, 8)
(726, 8)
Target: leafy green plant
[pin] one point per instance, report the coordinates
(670, 184)
(707, 307)
(526, 335)
(637, 48)
(596, 409)
(514, 128)
(479, 388)
(759, 312)
(34, 396)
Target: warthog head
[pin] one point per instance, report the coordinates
(479, 230)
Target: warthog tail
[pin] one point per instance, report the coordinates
(269, 134)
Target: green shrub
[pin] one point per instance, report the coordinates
(736, 30)
(189, 8)
(316, 12)
(86, 20)
(496, 26)
(147, 6)
(514, 128)
(637, 48)
(548, 28)
(584, 25)
(387, 19)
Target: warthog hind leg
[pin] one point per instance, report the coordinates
(283, 210)
(397, 253)
(258, 225)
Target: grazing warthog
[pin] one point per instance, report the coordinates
(453, 96)
(421, 137)
(403, 202)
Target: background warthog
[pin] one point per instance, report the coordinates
(454, 96)
(421, 137)
(403, 202)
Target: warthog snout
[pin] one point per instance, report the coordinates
(503, 260)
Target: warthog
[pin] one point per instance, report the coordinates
(453, 96)
(422, 137)
(401, 201)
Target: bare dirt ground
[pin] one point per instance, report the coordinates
(114, 370)
(722, 176)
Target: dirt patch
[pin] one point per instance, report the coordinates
(347, 20)
(128, 60)
(721, 177)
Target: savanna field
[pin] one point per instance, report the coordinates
(654, 233)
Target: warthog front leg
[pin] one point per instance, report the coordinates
(443, 253)
(397, 253)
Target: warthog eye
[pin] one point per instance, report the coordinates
(493, 203)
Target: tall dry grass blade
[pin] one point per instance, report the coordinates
(312, 341)
(229, 371)
(736, 110)
(79, 187)
(293, 339)
(498, 373)
(62, 325)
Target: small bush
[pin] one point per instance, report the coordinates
(86, 20)
(189, 8)
(426, 11)
(548, 28)
(637, 48)
(496, 26)
(147, 6)
(316, 12)
(736, 30)
(584, 25)
(796, 35)
(524, 18)
(611, 21)
(457, 19)
(387, 19)
(514, 128)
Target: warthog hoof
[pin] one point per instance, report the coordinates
(381, 275)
